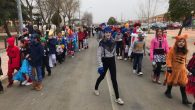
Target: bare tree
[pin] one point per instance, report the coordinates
(69, 8)
(29, 4)
(87, 18)
(45, 8)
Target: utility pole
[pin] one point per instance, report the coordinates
(149, 17)
(20, 16)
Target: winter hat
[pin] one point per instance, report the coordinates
(43, 40)
(140, 35)
(107, 29)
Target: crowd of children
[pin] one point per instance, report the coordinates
(130, 44)
(38, 51)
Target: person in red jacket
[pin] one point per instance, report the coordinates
(13, 53)
(81, 36)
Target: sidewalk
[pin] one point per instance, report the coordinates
(171, 40)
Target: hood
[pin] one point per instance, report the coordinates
(11, 41)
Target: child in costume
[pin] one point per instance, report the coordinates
(70, 41)
(139, 51)
(158, 50)
(36, 57)
(126, 44)
(13, 53)
(85, 39)
(45, 58)
(190, 87)
(60, 47)
(24, 69)
(52, 42)
(119, 44)
(106, 60)
(81, 36)
(176, 68)
(1, 73)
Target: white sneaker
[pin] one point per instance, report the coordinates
(125, 59)
(134, 71)
(24, 82)
(119, 101)
(140, 73)
(121, 57)
(97, 93)
(28, 84)
(118, 57)
(79, 50)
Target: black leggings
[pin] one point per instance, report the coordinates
(119, 48)
(80, 44)
(157, 71)
(109, 63)
(46, 65)
(1, 86)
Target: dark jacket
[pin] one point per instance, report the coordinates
(52, 46)
(36, 54)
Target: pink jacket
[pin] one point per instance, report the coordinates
(155, 44)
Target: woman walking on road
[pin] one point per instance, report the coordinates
(106, 60)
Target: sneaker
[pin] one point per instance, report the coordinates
(79, 50)
(125, 59)
(121, 58)
(140, 74)
(118, 57)
(28, 84)
(24, 82)
(97, 93)
(119, 101)
(134, 71)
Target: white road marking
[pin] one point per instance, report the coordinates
(111, 91)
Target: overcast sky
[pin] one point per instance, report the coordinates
(126, 9)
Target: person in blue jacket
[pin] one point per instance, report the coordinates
(35, 59)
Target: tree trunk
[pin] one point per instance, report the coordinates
(14, 22)
(6, 29)
(180, 31)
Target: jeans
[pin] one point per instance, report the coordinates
(137, 62)
(119, 48)
(38, 73)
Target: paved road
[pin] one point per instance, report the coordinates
(71, 88)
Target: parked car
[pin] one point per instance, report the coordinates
(175, 25)
(158, 25)
(144, 26)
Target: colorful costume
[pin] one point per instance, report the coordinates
(13, 53)
(176, 70)
(190, 88)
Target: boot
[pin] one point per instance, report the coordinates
(154, 78)
(193, 106)
(34, 85)
(1, 87)
(10, 82)
(168, 92)
(184, 96)
(157, 80)
(39, 86)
